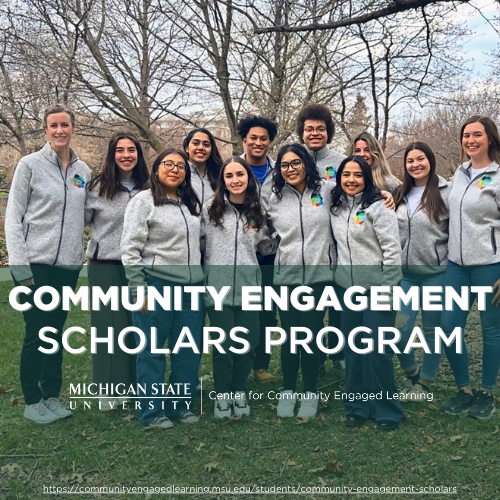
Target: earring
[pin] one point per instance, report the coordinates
(183, 184)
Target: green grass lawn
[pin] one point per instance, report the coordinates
(112, 449)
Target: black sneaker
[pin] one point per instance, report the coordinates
(387, 426)
(458, 404)
(483, 406)
(355, 421)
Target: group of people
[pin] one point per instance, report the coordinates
(311, 218)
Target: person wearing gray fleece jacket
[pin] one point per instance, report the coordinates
(123, 175)
(369, 254)
(474, 260)
(44, 232)
(298, 210)
(423, 228)
(161, 248)
(234, 228)
(315, 129)
(204, 161)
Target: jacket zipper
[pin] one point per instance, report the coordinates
(437, 254)
(189, 248)
(493, 240)
(27, 232)
(348, 245)
(461, 219)
(64, 178)
(302, 234)
(235, 251)
(409, 233)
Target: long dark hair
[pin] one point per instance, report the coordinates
(109, 177)
(371, 193)
(432, 203)
(313, 180)
(185, 190)
(491, 131)
(214, 161)
(252, 209)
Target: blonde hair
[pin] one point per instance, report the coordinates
(380, 168)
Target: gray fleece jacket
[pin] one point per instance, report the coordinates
(105, 219)
(201, 184)
(306, 252)
(369, 252)
(230, 253)
(424, 243)
(45, 213)
(162, 241)
(475, 216)
(327, 162)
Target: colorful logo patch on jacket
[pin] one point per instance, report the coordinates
(78, 181)
(316, 200)
(330, 173)
(359, 218)
(484, 181)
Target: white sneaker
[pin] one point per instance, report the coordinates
(39, 413)
(286, 404)
(109, 404)
(56, 407)
(161, 423)
(240, 404)
(222, 408)
(308, 406)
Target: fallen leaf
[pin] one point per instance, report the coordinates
(211, 466)
(290, 463)
(315, 471)
(301, 421)
(336, 467)
(456, 457)
(78, 478)
(230, 448)
(464, 442)
(496, 431)
(429, 439)
(11, 468)
(200, 446)
(4, 390)
(19, 401)
(455, 438)
(234, 418)
(128, 417)
(321, 481)
(432, 407)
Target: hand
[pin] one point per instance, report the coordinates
(144, 308)
(30, 282)
(496, 298)
(389, 200)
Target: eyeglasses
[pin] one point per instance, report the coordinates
(170, 165)
(321, 129)
(294, 164)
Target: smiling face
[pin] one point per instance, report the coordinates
(235, 179)
(315, 134)
(418, 167)
(126, 156)
(362, 149)
(295, 173)
(352, 180)
(257, 144)
(475, 142)
(172, 172)
(199, 148)
(59, 129)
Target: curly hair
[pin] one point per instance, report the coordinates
(316, 112)
(251, 121)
